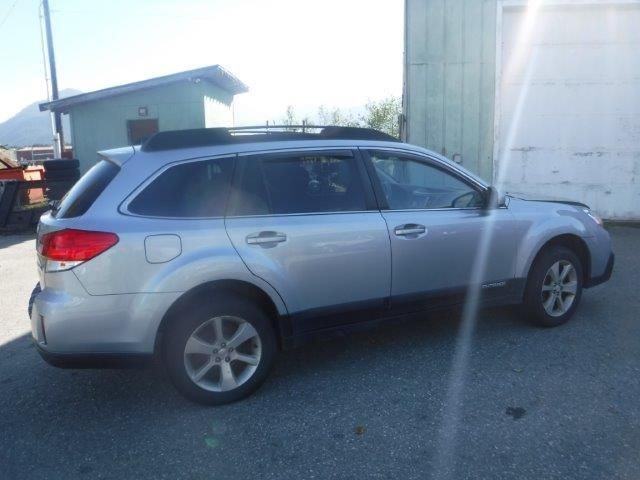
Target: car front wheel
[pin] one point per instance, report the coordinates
(554, 287)
(221, 351)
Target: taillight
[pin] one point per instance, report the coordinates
(66, 249)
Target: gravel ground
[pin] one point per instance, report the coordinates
(536, 403)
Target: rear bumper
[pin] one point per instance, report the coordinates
(605, 276)
(95, 360)
(67, 323)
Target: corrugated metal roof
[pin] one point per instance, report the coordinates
(215, 74)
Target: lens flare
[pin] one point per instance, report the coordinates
(523, 58)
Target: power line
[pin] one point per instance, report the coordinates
(8, 12)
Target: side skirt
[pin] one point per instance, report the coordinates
(339, 319)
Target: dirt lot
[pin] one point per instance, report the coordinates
(558, 403)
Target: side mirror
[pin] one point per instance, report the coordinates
(493, 198)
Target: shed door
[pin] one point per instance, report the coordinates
(140, 130)
(569, 105)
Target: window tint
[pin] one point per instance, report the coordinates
(86, 190)
(304, 184)
(194, 189)
(410, 184)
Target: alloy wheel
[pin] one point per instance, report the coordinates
(222, 353)
(559, 288)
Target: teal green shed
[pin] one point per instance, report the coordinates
(128, 114)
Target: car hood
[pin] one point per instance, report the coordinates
(543, 198)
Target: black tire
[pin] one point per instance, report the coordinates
(534, 297)
(34, 294)
(57, 191)
(70, 175)
(61, 164)
(182, 326)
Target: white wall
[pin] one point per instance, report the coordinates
(568, 98)
(217, 113)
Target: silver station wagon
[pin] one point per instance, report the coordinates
(210, 250)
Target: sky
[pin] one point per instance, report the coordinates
(304, 53)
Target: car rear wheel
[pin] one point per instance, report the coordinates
(221, 351)
(554, 287)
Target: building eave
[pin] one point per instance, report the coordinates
(214, 74)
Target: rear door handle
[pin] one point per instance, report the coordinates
(410, 229)
(267, 237)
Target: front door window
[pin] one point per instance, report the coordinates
(411, 184)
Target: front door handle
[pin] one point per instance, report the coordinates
(267, 237)
(410, 229)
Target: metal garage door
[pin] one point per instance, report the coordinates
(568, 104)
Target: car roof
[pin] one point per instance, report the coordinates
(160, 158)
(122, 155)
(174, 139)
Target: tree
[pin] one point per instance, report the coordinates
(384, 115)
(291, 118)
(381, 115)
(336, 117)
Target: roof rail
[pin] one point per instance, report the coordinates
(200, 137)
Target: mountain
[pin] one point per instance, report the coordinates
(30, 126)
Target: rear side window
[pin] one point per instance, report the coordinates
(80, 198)
(300, 184)
(194, 189)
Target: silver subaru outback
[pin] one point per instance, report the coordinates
(212, 249)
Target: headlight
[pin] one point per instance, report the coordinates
(593, 216)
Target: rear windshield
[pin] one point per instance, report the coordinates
(78, 200)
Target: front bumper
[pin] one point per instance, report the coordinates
(605, 276)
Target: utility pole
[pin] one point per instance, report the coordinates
(58, 146)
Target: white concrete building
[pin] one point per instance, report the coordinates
(543, 96)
